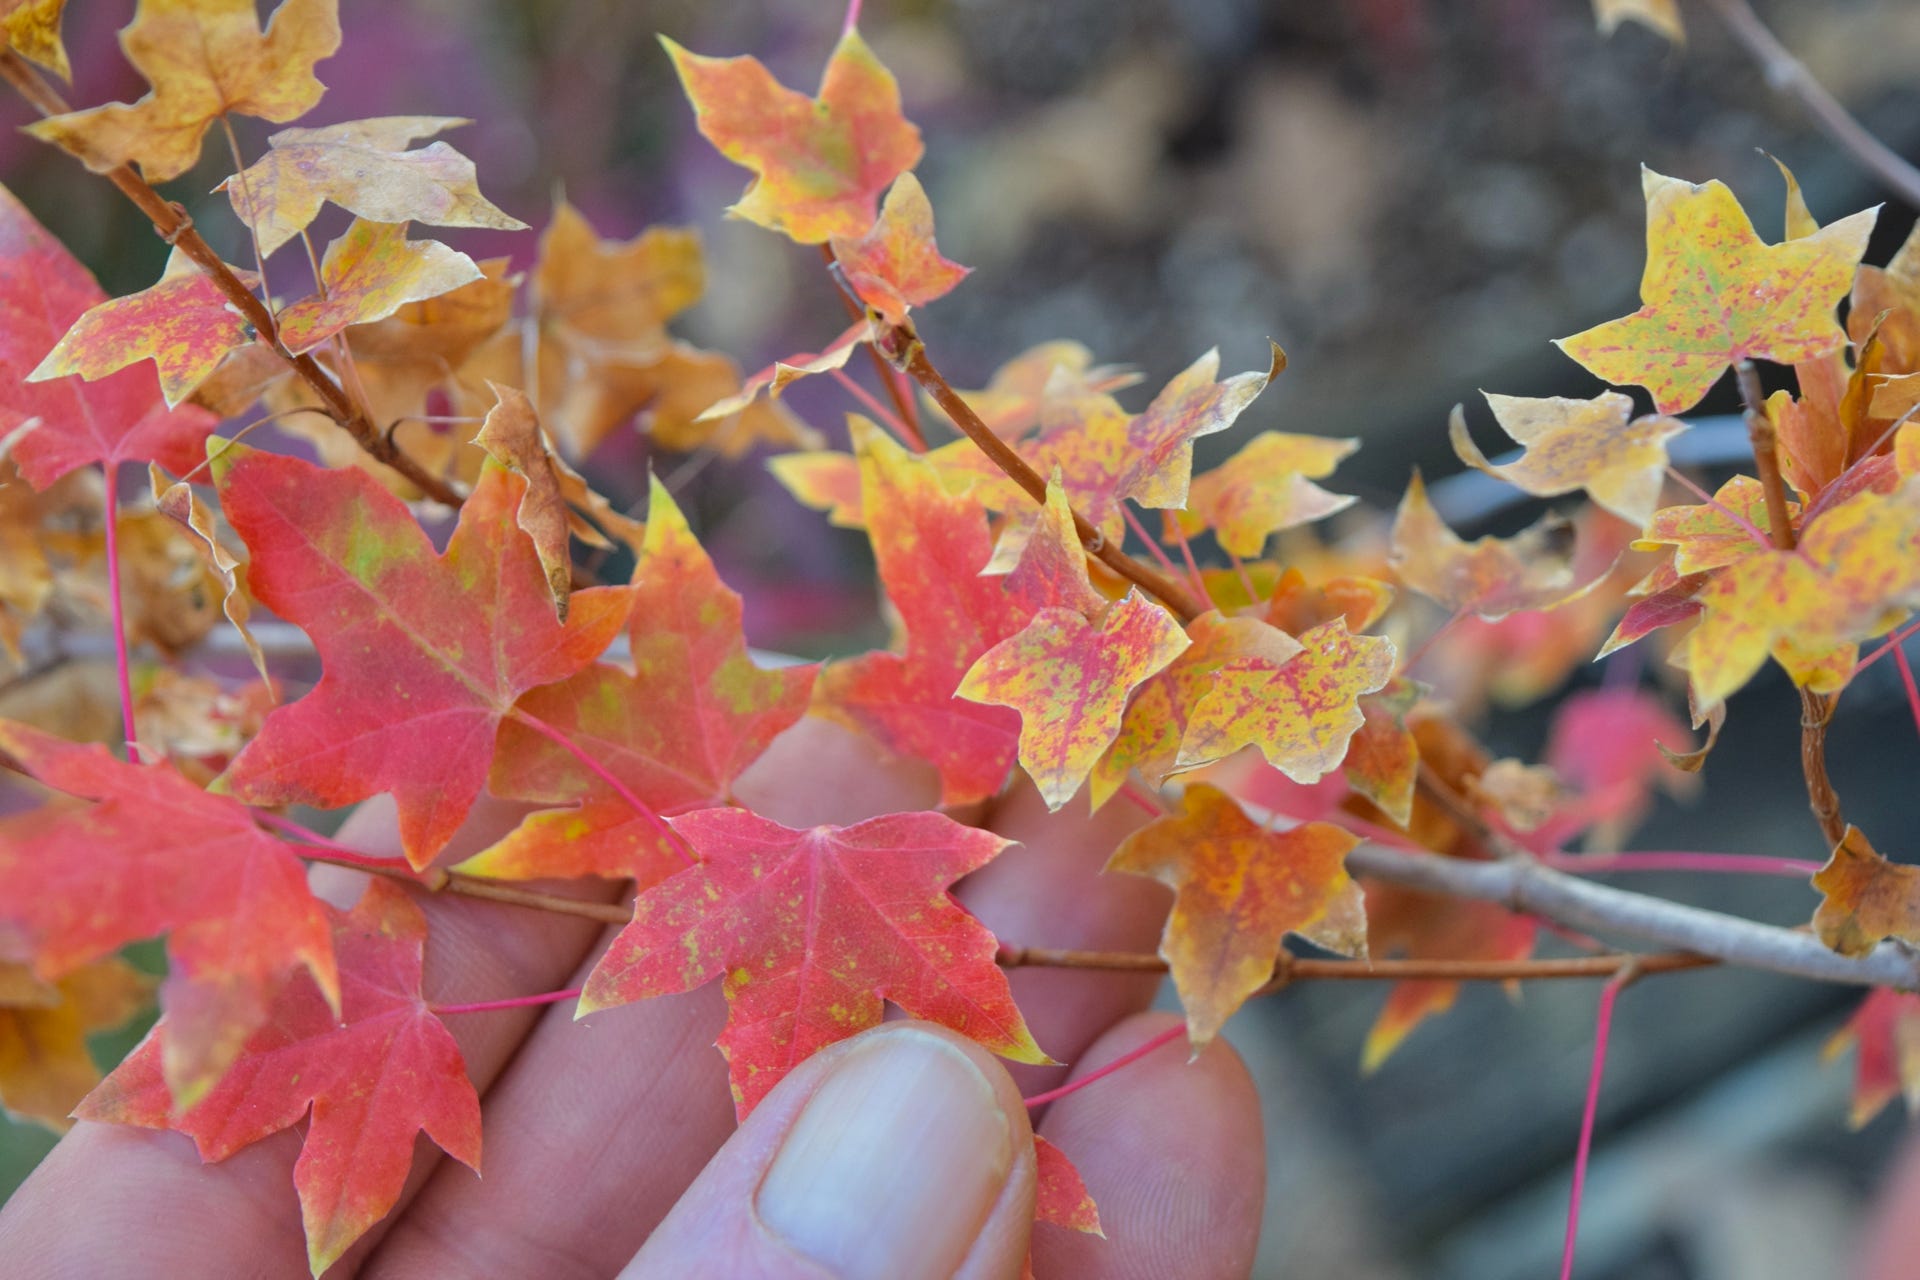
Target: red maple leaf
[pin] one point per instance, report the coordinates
(676, 731)
(423, 656)
(121, 418)
(385, 1069)
(812, 929)
(156, 854)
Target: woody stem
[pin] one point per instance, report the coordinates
(177, 229)
(1816, 709)
(903, 406)
(903, 347)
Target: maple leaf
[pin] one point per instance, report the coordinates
(676, 731)
(368, 274)
(381, 1071)
(895, 265)
(601, 352)
(1383, 757)
(1300, 713)
(422, 656)
(156, 854)
(364, 167)
(1490, 576)
(825, 480)
(45, 1068)
(184, 324)
(1662, 16)
(1865, 898)
(1156, 719)
(204, 59)
(1424, 926)
(819, 163)
(423, 349)
(1713, 534)
(1611, 746)
(1060, 1194)
(781, 374)
(118, 418)
(1853, 575)
(1011, 401)
(1106, 455)
(1264, 489)
(1713, 294)
(1069, 677)
(811, 929)
(931, 546)
(32, 30)
(1238, 890)
(1885, 1034)
(1578, 444)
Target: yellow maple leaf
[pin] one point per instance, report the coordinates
(1578, 444)
(204, 59)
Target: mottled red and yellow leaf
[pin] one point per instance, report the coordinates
(1579, 444)
(1714, 294)
(1266, 488)
(1490, 576)
(819, 163)
(422, 655)
(895, 265)
(368, 274)
(155, 854)
(811, 931)
(373, 1076)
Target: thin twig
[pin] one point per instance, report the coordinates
(905, 413)
(1787, 74)
(903, 347)
(177, 229)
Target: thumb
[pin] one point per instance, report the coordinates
(902, 1153)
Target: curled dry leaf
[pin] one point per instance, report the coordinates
(1579, 444)
(178, 502)
(1865, 898)
(364, 167)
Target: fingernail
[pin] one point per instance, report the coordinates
(894, 1164)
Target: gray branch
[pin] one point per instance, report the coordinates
(1528, 887)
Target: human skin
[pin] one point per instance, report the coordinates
(598, 1133)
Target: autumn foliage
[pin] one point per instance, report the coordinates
(1075, 609)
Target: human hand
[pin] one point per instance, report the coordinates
(904, 1152)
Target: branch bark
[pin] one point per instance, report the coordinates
(177, 230)
(1525, 885)
(1787, 74)
(903, 346)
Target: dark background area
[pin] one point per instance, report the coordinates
(1412, 197)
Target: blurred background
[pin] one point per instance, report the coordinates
(1412, 197)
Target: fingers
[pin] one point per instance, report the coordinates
(1049, 891)
(902, 1154)
(1173, 1155)
(598, 1126)
(114, 1200)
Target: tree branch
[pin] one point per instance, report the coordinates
(177, 230)
(1787, 74)
(1524, 885)
(903, 347)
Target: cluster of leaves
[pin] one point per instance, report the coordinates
(625, 713)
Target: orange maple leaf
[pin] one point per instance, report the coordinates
(895, 265)
(1238, 890)
(1489, 576)
(819, 163)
